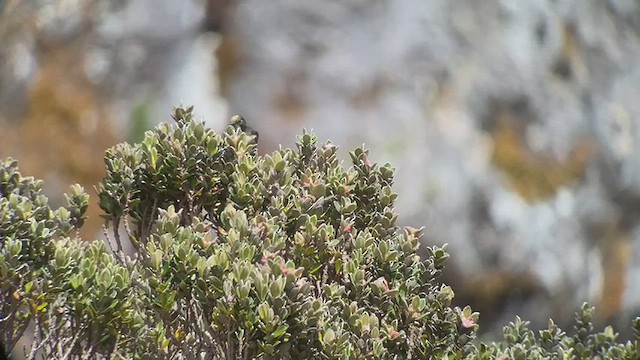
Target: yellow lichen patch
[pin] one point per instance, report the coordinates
(532, 175)
(65, 130)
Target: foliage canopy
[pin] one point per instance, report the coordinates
(216, 252)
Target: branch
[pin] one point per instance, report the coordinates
(116, 225)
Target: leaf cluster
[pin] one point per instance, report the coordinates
(28, 228)
(287, 255)
(553, 343)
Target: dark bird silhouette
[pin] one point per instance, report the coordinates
(239, 122)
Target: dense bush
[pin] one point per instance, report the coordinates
(218, 253)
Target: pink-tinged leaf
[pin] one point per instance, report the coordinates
(468, 322)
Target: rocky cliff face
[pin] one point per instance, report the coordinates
(513, 125)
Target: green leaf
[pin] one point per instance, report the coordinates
(281, 330)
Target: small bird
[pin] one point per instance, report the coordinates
(239, 122)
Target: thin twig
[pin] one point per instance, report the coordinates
(71, 346)
(37, 341)
(105, 232)
(126, 225)
(154, 210)
(116, 232)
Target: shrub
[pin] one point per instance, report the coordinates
(240, 256)
(553, 343)
(30, 232)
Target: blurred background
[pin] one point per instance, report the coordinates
(513, 125)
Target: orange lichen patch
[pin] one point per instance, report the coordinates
(616, 257)
(288, 100)
(502, 283)
(532, 175)
(229, 57)
(569, 64)
(369, 95)
(490, 291)
(64, 133)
